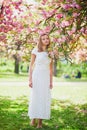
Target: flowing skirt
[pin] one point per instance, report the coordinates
(40, 95)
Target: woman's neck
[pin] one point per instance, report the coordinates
(44, 48)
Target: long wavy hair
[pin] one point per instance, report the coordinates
(39, 45)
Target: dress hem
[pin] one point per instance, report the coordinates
(36, 117)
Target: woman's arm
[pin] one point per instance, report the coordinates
(51, 74)
(31, 68)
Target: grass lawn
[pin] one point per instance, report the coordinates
(68, 108)
(8, 76)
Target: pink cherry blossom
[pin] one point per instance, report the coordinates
(2, 37)
(59, 40)
(59, 16)
(8, 11)
(44, 2)
(47, 29)
(86, 31)
(65, 23)
(54, 40)
(37, 22)
(51, 54)
(77, 6)
(66, 6)
(34, 29)
(40, 32)
(57, 24)
(75, 14)
(82, 30)
(44, 13)
(30, 14)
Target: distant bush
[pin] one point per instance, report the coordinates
(3, 63)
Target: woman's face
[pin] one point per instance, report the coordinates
(45, 40)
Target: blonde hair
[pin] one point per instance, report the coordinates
(39, 46)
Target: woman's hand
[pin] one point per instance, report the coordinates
(30, 83)
(51, 85)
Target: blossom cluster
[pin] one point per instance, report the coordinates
(53, 52)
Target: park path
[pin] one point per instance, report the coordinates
(25, 83)
(75, 92)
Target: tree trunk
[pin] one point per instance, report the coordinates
(16, 70)
(55, 67)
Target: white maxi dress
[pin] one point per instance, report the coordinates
(40, 94)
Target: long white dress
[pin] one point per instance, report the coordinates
(40, 95)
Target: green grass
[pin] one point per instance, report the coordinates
(60, 79)
(64, 115)
(8, 76)
(68, 108)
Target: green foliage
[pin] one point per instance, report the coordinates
(7, 65)
(65, 67)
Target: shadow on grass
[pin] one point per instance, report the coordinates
(64, 115)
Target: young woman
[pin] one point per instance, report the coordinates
(40, 82)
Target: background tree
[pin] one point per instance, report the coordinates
(64, 20)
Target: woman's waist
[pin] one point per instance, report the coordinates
(41, 66)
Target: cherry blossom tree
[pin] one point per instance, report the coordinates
(66, 22)
(63, 20)
(15, 30)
